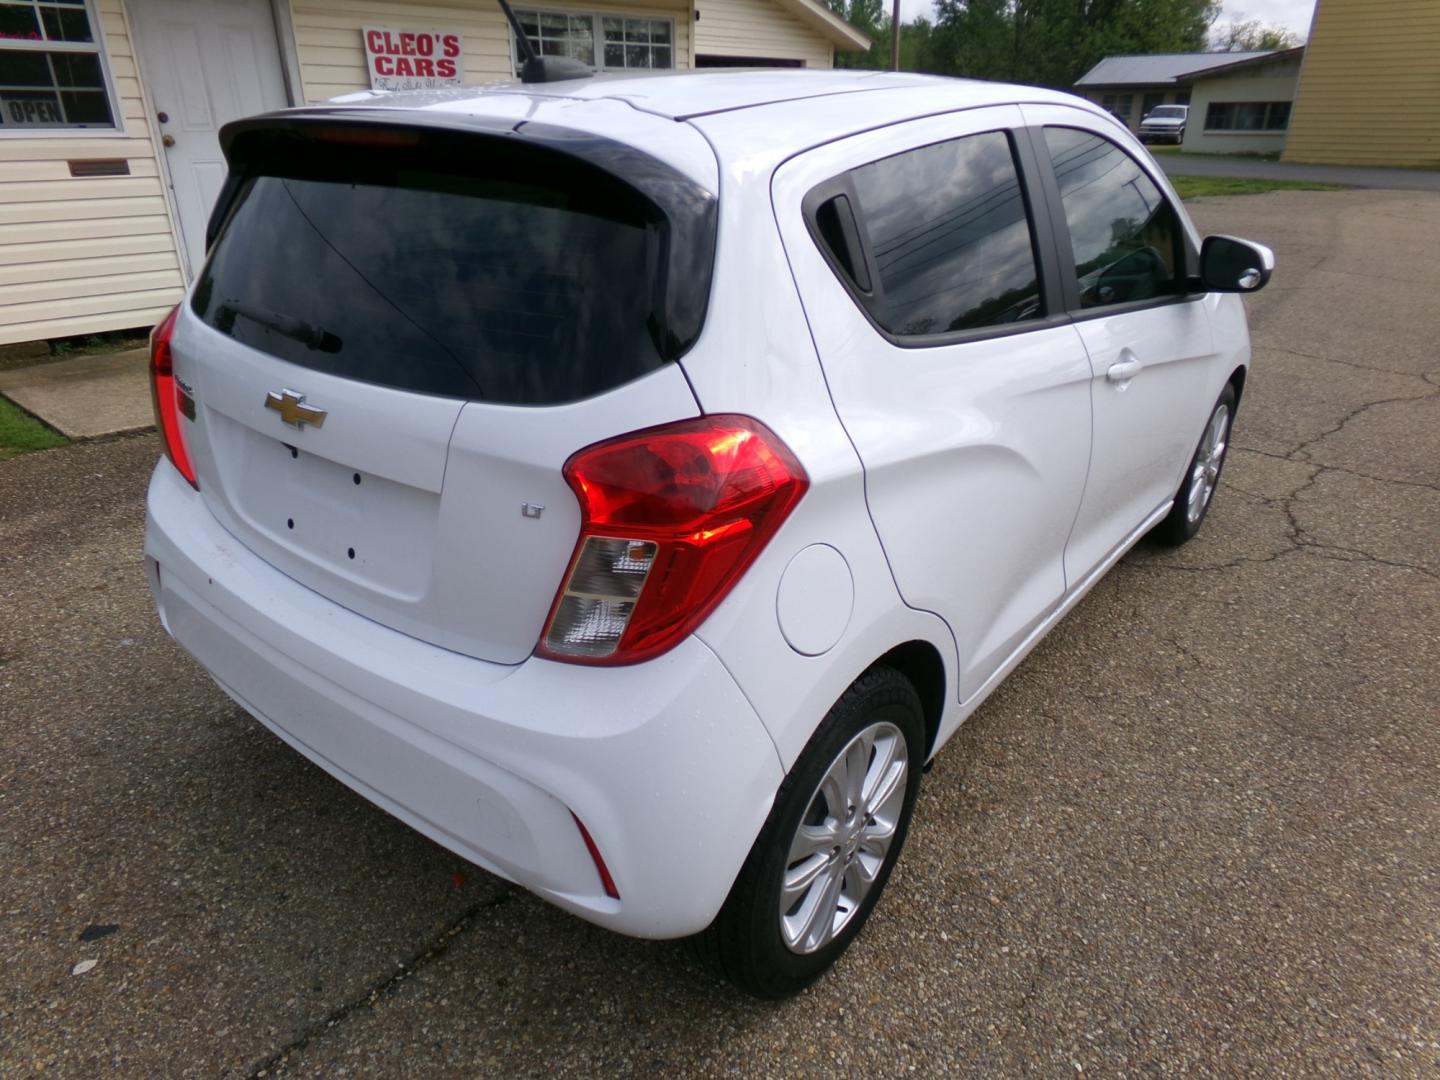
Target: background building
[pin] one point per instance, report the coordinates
(1370, 88)
(109, 109)
(1128, 87)
(1244, 107)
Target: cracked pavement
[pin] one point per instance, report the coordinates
(1195, 832)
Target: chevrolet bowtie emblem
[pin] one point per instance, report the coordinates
(293, 410)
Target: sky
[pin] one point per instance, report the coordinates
(1293, 15)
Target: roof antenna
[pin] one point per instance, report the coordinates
(538, 69)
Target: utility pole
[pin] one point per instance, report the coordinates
(895, 38)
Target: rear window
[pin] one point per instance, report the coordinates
(472, 267)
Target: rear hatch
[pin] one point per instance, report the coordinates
(403, 331)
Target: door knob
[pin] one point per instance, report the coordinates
(167, 140)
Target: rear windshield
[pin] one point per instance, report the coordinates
(481, 269)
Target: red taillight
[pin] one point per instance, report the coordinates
(670, 519)
(170, 399)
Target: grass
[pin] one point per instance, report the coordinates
(20, 432)
(1199, 187)
(1170, 149)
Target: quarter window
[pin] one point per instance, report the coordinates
(604, 42)
(1124, 234)
(948, 236)
(51, 70)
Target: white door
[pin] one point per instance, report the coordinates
(1156, 372)
(206, 62)
(968, 404)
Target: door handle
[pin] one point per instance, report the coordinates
(1123, 371)
(167, 140)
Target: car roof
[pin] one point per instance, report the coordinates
(690, 94)
(802, 107)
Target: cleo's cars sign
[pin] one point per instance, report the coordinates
(412, 59)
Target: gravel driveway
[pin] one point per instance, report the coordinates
(1197, 831)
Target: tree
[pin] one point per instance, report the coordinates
(1252, 36)
(1054, 42)
(872, 20)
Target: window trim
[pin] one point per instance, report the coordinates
(597, 34)
(1037, 212)
(96, 48)
(1064, 245)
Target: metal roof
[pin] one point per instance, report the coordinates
(1161, 69)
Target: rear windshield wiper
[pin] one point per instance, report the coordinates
(308, 334)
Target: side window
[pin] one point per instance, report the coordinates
(947, 234)
(1126, 237)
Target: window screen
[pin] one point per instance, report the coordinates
(50, 68)
(1125, 236)
(949, 237)
(608, 42)
(1247, 116)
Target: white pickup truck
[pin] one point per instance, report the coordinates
(1165, 123)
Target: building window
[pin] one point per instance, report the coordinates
(52, 74)
(1149, 102)
(1182, 97)
(603, 42)
(1118, 105)
(1247, 116)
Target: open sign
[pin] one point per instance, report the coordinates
(31, 110)
(412, 59)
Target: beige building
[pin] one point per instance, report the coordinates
(109, 109)
(1370, 88)
(1128, 87)
(1244, 107)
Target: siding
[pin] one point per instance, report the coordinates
(1370, 88)
(757, 28)
(332, 57)
(82, 256)
(1265, 82)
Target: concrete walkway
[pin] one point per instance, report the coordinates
(86, 396)
(1256, 169)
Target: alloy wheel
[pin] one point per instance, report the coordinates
(1208, 459)
(841, 843)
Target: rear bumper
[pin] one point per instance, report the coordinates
(666, 763)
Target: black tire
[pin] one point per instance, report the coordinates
(745, 944)
(1179, 525)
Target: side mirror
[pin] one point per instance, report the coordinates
(1231, 265)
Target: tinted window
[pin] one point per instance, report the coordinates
(949, 237)
(514, 281)
(1125, 235)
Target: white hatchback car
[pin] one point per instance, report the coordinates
(631, 483)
